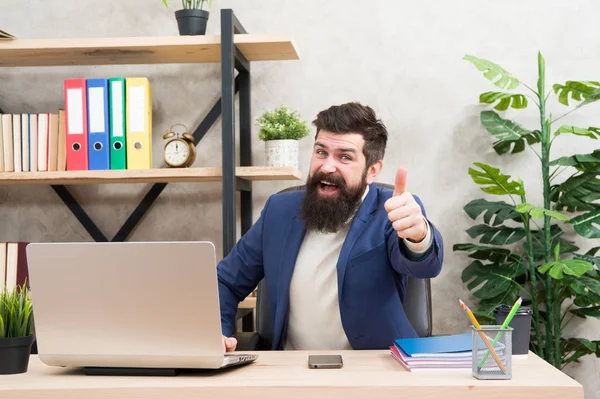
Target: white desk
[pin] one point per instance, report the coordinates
(285, 375)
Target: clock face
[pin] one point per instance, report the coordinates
(176, 153)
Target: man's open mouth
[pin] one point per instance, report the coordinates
(328, 187)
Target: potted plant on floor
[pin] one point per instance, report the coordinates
(191, 19)
(281, 129)
(525, 244)
(16, 330)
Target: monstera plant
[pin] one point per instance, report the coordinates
(521, 244)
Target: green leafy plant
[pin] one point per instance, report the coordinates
(281, 124)
(16, 318)
(522, 248)
(191, 4)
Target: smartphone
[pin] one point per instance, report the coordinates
(325, 361)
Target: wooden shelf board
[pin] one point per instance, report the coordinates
(140, 50)
(248, 303)
(157, 175)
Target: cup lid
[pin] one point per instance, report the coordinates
(505, 309)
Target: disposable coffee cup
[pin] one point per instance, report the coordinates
(521, 324)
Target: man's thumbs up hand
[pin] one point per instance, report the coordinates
(404, 212)
(400, 183)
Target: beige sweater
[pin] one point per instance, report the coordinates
(314, 315)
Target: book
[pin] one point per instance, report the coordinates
(6, 36)
(446, 352)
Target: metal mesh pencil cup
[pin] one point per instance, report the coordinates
(485, 362)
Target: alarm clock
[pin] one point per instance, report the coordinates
(179, 151)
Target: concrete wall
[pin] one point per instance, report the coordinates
(403, 58)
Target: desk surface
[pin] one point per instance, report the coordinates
(366, 374)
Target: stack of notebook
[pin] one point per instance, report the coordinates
(436, 353)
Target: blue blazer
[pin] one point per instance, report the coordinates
(372, 269)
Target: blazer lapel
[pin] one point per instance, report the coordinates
(368, 207)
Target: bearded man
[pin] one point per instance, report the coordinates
(336, 256)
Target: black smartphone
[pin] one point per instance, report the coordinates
(325, 361)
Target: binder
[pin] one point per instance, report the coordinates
(33, 142)
(1, 170)
(118, 148)
(52, 150)
(97, 111)
(42, 136)
(7, 143)
(138, 115)
(25, 142)
(76, 123)
(17, 156)
(438, 345)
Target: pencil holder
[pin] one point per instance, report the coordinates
(493, 364)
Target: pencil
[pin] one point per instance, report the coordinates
(511, 314)
(482, 335)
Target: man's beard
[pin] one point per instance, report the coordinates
(329, 214)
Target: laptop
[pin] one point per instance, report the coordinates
(128, 305)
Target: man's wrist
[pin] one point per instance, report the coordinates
(422, 246)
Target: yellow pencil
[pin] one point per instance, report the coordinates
(482, 335)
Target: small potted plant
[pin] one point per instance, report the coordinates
(16, 330)
(281, 129)
(191, 19)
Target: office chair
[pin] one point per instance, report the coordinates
(417, 306)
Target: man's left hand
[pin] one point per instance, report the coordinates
(404, 212)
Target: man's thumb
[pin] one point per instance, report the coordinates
(400, 184)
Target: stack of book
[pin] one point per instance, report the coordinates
(447, 352)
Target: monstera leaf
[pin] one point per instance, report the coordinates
(593, 311)
(507, 133)
(589, 256)
(556, 233)
(494, 182)
(575, 348)
(590, 132)
(573, 267)
(581, 162)
(578, 90)
(494, 73)
(498, 210)
(483, 252)
(538, 213)
(500, 235)
(505, 100)
(577, 193)
(587, 225)
(491, 279)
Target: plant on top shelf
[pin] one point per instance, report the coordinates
(16, 330)
(523, 249)
(192, 18)
(281, 129)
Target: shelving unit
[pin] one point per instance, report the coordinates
(234, 49)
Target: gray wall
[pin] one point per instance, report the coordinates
(402, 58)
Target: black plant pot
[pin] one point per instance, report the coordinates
(14, 354)
(521, 324)
(191, 22)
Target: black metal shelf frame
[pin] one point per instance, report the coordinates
(231, 60)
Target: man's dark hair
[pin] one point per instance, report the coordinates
(355, 118)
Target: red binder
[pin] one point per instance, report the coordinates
(76, 124)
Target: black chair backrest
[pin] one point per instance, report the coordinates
(417, 300)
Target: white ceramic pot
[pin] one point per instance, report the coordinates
(283, 153)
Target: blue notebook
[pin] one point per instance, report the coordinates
(436, 345)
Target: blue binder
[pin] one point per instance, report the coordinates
(436, 345)
(98, 125)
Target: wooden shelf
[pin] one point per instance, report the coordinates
(140, 50)
(158, 175)
(248, 303)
